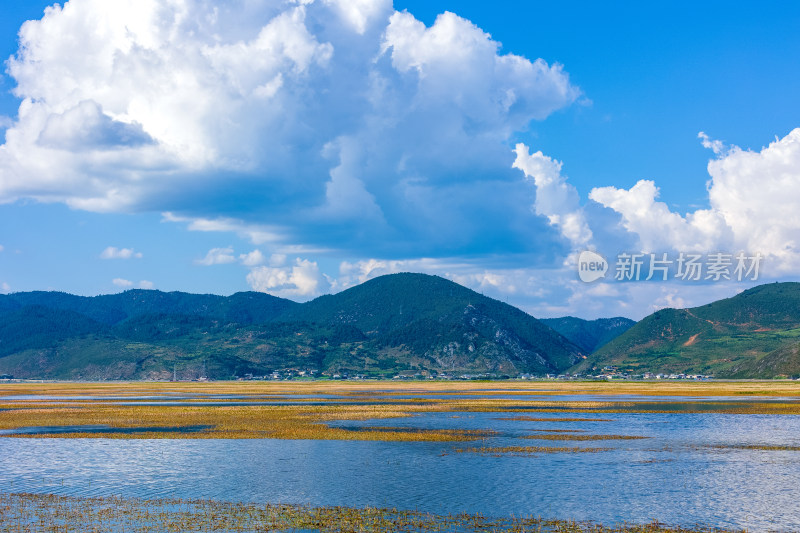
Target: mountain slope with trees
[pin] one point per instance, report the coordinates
(411, 324)
(724, 338)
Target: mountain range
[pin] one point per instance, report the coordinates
(400, 324)
(407, 324)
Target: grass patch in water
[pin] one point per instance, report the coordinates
(528, 450)
(542, 419)
(234, 422)
(763, 447)
(33, 513)
(583, 437)
(558, 430)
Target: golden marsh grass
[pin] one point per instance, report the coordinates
(241, 422)
(31, 513)
(308, 416)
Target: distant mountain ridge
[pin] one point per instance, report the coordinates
(411, 324)
(242, 307)
(746, 336)
(401, 324)
(589, 335)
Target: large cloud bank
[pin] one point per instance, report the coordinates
(336, 122)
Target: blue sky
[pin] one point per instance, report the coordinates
(300, 150)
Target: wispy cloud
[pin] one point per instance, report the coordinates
(217, 256)
(120, 253)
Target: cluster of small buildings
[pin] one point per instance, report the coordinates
(613, 373)
(282, 375)
(447, 377)
(608, 373)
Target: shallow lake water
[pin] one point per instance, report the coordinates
(675, 476)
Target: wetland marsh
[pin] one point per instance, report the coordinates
(692, 455)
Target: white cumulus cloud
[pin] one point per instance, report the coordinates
(120, 253)
(753, 197)
(500, 283)
(300, 280)
(657, 227)
(286, 117)
(218, 256)
(123, 283)
(144, 284)
(757, 194)
(459, 65)
(555, 198)
(360, 13)
(253, 258)
(357, 272)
